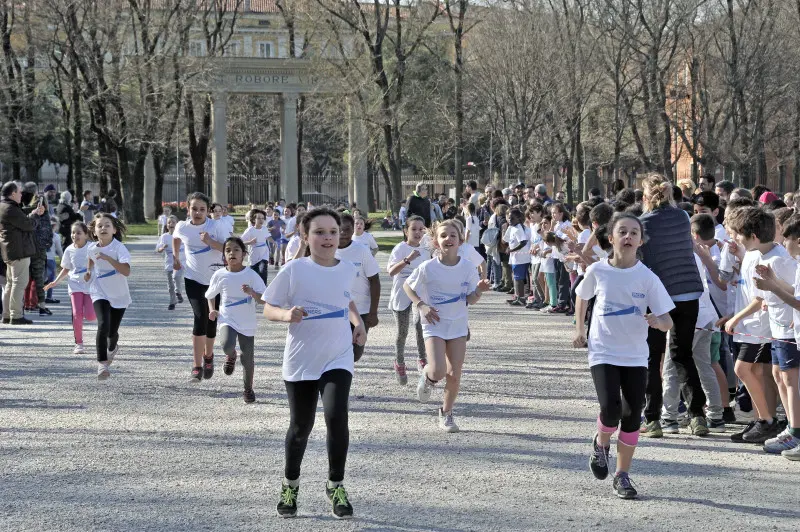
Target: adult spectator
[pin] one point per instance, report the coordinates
(541, 195)
(436, 209)
(706, 183)
(724, 189)
(66, 217)
(51, 195)
(109, 203)
(740, 193)
(529, 194)
(519, 192)
(88, 208)
(474, 195)
(418, 203)
(669, 253)
(43, 239)
(757, 191)
(594, 192)
(403, 215)
(617, 186)
(626, 195)
(687, 187)
(17, 246)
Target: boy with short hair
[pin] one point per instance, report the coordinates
(755, 232)
(707, 202)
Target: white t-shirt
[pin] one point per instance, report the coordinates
(366, 239)
(162, 220)
(366, 267)
(514, 236)
(536, 240)
(322, 341)
(780, 314)
(201, 259)
(106, 282)
(471, 254)
(291, 225)
(293, 246)
(166, 242)
(757, 323)
(446, 288)
(548, 263)
(706, 313)
(236, 309)
(259, 250)
(717, 294)
(76, 260)
(398, 300)
(720, 234)
(583, 238)
(618, 334)
(230, 222)
(474, 228)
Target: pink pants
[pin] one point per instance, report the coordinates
(82, 308)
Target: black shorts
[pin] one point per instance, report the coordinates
(755, 353)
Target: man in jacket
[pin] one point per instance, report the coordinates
(17, 247)
(43, 239)
(419, 204)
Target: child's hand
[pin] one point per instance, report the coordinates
(652, 320)
(87, 276)
(483, 286)
(247, 290)
(730, 326)
(360, 334)
(295, 315)
(205, 237)
(414, 254)
(702, 250)
(764, 306)
(213, 315)
(766, 272)
(430, 314)
(722, 321)
(371, 320)
(102, 256)
(48, 286)
(768, 285)
(176, 264)
(579, 340)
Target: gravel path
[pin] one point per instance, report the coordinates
(147, 450)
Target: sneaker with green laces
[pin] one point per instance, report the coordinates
(342, 509)
(651, 430)
(699, 426)
(287, 504)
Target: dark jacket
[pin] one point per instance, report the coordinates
(669, 251)
(419, 206)
(16, 232)
(66, 217)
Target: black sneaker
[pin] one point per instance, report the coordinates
(762, 431)
(51, 301)
(728, 415)
(341, 506)
(208, 367)
(623, 487)
(229, 365)
(44, 311)
(516, 302)
(21, 321)
(171, 306)
(738, 437)
(249, 396)
(287, 504)
(6, 321)
(598, 462)
(197, 374)
(716, 425)
(180, 298)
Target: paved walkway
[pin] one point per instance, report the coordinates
(148, 451)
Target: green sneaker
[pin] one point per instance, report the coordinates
(341, 506)
(699, 426)
(287, 505)
(651, 430)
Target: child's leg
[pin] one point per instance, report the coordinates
(227, 341)
(247, 346)
(177, 276)
(113, 333)
(456, 351)
(77, 315)
(335, 390)
(197, 299)
(671, 390)
(790, 378)
(770, 387)
(722, 383)
(436, 349)
(701, 352)
(418, 329)
(102, 309)
(633, 384)
(302, 396)
(752, 380)
(88, 308)
(606, 379)
(401, 318)
(550, 278)
(173, 299)
(562, 281)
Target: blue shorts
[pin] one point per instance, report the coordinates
(284, 240)
(785, 355)
(520, 271)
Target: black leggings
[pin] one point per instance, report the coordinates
(196, 293)
(334, 387)
(609, 381)
(108, 321)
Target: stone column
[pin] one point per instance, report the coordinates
(150, 188)
(357, 178)
(289, 175)
(219, 149)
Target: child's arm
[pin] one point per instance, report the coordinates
(122, 267)
(252, 293)
(579, 340)
(428, 312)
(713, 270)
(474, 297)
(88, 274)
(292, 315)
(397, 267)
(374, 300)
(772, 283)
(63, 273)
(176, 254)
(519, 247)
(662, 323)
(753, 307)
(212, 312)
(207, 240)
(359, 331)
(250, 242)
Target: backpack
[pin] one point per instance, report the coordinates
(491, 236)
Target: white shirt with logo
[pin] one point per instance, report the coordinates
(780, 314)
(201, 259)
(76, 261)
(236, 309)
(366, 267)
(106, 282)
(398, 300)
(366, 239)
(260, 250)
(514, 236)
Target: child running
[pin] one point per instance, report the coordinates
(107, 274)
(440, 289)
(313, 295)
(239, 289)
(256, 236)
(362, 237)
(174, 277)
(203, 238)
(405, 258)
(618, 350)
(73, 266)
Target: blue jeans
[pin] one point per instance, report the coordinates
(51, 276)
(495, 271)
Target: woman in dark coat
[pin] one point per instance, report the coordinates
(66, 217)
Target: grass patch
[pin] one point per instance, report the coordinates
(145, 229)
(387, 243)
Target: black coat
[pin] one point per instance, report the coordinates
(16, 232)
(66, 217)
(419, 206)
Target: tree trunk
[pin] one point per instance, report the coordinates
(135, 207)
(579, 164)
(158, 166)
(76, 163)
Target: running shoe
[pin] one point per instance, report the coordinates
(670, 426)
(6, 321)
(699, 426)
(51, 301)
(598, 461)
(171, 306)
(230, 364)
(716, 425)
(792, 454)
(651, 430)
(78, 349)
(738, 437)
(762, 431)
(400, 373)
(249, 395)
(728, 416)
(546, 309)
(559, 310)
(208, 367)
(287, 503)
(534, 306)
(516, 302)
(44, 311)
(683, 419)
(180, 298)
(424, 388)
(447, 422)
(782, 442)
(102, 371)
(623, 487)
(21, 321)
(197, 374)
(113, 353)
(342, 509)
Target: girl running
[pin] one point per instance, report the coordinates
(256, 237)
(239, 289)
(107, 274)
(625, 289)
(174, 277)
(73, 266)
(313, 295)
(440, 289)
(362, 237)
(405, 258)
(203, 238)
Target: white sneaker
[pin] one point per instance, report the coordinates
(423, 388)
(779, 437)
(78, 349)
(447, 422)
(102, 371)
(792, 454)
(547, 310)
(112, 354)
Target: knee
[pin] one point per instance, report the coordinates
(299, 431)
(435, 373)
(337, 421)
(741, 369)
